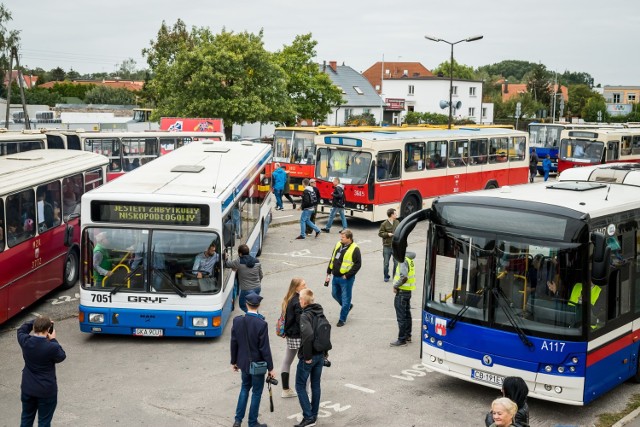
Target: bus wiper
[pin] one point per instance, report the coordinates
(173, 285)
(460, 313)
(508, 312)
(126, 279)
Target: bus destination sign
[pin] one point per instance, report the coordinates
(149, 213)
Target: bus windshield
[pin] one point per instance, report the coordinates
(148, 260)
(581, 150)
(543, 135)
(294, 147)
(352, 167)
(498, 282)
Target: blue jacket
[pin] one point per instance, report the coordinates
(257, 337)
(40, 357)
(546, 165)
(279, 178)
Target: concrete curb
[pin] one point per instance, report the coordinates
(630, 417)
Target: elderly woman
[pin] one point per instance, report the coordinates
(515, 388)
(504, 411)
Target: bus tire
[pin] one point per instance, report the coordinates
(409, 205)
(491, 185)
(71, 270)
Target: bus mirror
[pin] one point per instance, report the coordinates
(229, 234)
(68, 235)
(399, 242)
(600, 266)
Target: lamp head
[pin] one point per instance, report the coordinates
(474, 38)
(433, 39)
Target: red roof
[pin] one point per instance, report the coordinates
(514, 89)
(396, 70)
(29, 81)
(133, 85)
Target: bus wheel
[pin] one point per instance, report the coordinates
(491, 185)
(409, 205)
(71, 268)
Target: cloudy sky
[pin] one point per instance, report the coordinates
(595, 36)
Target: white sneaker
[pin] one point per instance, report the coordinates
(289, 393)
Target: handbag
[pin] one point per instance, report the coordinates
(255, 368)
(280, 325)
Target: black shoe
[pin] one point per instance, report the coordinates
(306, 422)
(398, 343)
(317, 233)
(237, 424)
(408, 339)
(261, 425)
(351, 307)
(294, 206)
(326, 230)
(340, 323)
(300, 238)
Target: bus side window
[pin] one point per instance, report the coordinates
(48, 206)
(2, 226)
(21, 217)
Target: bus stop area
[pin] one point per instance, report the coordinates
(122, 380)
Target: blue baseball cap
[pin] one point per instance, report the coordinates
(253, 299)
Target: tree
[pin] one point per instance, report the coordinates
(460, 71)
(57, 74)
(72, 75)
(594, 104)
(575, 78)
(578, 97)
(311, 91)
(35, 96)
(108, 95)
(514, 70)
(365, 119)
(528, 106)
(8, 40)
(538, 84)
(70, 90)
(227, 75)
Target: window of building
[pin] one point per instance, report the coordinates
(484, 113)
(472, 112)
(631, 98)
(472, 91)
(348, 112)
(358, 90)
(454, 90)
(616, 98)
(411, 89)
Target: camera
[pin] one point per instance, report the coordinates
(271, 380)
(326, 282)
(51, 328)
(326, 363)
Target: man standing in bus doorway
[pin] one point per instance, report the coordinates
(387, 228)
(40, 351)
(249, 344)
(533, 164)
(101, 261)
(404, 282)
(248, 273)
(279, 177)
(345, 263)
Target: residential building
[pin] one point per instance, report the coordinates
(393, 70)
(510, 90)
(28, 81)
(358, 94)
(620, 99)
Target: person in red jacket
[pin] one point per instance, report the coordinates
(40, 351)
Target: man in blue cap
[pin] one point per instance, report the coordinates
(250, 343)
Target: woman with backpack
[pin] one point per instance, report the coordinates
(291, 309)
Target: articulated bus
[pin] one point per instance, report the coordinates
(40, 194)
(143, 232)
(294, 149)
(539, 281)
(594, 146)
(405, 170)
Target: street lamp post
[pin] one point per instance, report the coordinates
(468, 39)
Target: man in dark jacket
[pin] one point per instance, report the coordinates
(310, 362)
(308, 206)
(533, 165)
(40, 352)
(248, 273)
(337, 205)
(250, 343)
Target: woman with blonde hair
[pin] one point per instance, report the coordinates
(503, 410)
(292, 310)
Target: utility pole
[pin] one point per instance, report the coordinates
(6, 120)
(27, 122)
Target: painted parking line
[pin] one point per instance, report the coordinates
(357, 387)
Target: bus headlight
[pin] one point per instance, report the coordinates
(96, 318)
(200, 322)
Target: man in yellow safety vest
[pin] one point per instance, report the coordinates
(404, 282)
(598, 310)
(345, 262)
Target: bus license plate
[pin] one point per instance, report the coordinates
(487, 377)
(144, 332)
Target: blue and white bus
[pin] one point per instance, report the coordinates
(506, 273)
(146, 229)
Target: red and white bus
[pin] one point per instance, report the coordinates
(129, 150)
(40, 194)
(582, 147)
(405, 170)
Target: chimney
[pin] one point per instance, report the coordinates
(506, 86)
(333, 65)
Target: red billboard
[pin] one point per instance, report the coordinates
(181, 124)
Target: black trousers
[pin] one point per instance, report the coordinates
(402, 304)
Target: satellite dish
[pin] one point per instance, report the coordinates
(457, 105)
(444, 104)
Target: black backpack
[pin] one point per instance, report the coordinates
(321, 334)
(338, 194)
(313, 200)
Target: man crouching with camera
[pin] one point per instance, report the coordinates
(251, 355)
(315, 332)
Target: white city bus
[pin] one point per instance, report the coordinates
(148, 227)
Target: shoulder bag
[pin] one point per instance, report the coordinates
(255, 368)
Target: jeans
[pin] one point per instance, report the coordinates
(331, 216)
(546, 174)
(386, 256)
(305, 219)
(402, 304)
(341, 290)
(242, 301)
(305, 371)
(278, 194)
(255, 382)
(44, 406)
